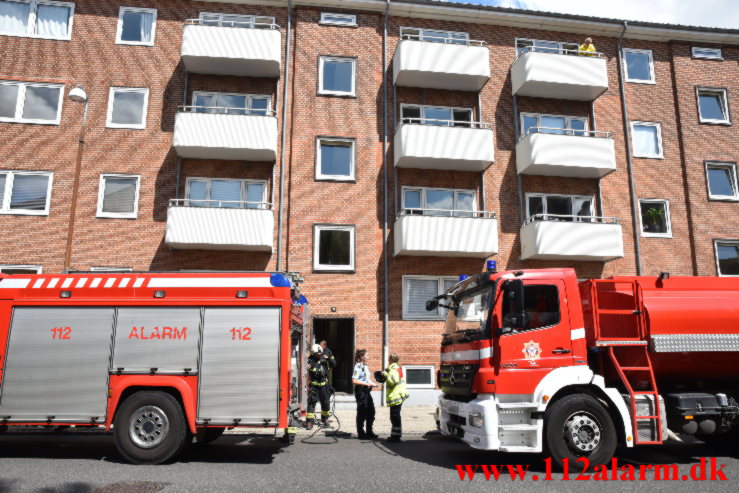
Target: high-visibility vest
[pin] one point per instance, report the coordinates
(395, 392)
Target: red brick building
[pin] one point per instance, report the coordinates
(380, 149)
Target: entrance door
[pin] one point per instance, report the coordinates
(339, 336)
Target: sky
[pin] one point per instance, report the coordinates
(707, 13)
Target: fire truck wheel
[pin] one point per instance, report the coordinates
(207, 435)
(150, 428)
(578, 426)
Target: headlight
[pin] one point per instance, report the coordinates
(476, 419)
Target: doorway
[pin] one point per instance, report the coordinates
(339, 336)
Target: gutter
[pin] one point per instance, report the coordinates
(283, 136)
(385, 235)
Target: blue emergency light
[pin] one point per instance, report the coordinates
(491, 265)
(463, 277)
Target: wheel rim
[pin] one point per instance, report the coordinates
(583, 433)
(148, 427)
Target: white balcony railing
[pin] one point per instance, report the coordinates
(455, 233)
(443, 144)
(561, 152)
(232, 48)
(243, 134)
(453, 64)
(566, 237)
(559, 74)
(219, 225)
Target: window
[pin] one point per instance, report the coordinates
(712, 105)
(553, 124)
(338, 19)
(541, 306)
(639, 66)
(335, 159)
(136, 26)
(542, 46)
(434, 35)
(655, 218)
(118, 196)
(438, 202)
(419, 376)
(333, 247)
(722, 181)
(707, 53)
(127, 107)
(646, 138)
(226, 193)
(25, 192)
(559, 207)
(111, 269)
(436, 115)
(727, 257)
(336, 76)
(417, 290)
(232, 104)
(20, 269)
(30, 102)
(36, 18)
(229, 20)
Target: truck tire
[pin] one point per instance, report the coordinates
(579, 426)
(207, 435)
(150, 428)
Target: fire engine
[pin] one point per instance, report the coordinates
(535, 360)
(159, 358)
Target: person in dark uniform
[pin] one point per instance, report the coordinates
(328, 355)
(363, 386)
(319, 390)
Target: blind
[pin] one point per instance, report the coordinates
(29, 192)
(419, 291)
(119, 195)
(8, 100)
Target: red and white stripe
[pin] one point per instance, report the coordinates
(135, 282)
(469, 352)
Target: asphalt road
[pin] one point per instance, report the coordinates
(87, 463)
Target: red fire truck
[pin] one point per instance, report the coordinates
(534, 359)
(159, 358)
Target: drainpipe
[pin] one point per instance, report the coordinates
(385, 236)
(629, 162)
(396, 193)
(283, 138)
(482, 173)
(519, 185)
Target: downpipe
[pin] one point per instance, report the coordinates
(283, 139)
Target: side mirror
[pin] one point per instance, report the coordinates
(432, 305)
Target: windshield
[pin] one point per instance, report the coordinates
(468, 321)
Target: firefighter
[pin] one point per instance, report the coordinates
(328, 355)
(319, 390)
(395, 395)
(363, 386)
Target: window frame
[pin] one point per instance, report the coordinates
(32, 15)
(101, 197)
(653, 77)
(735, 181)
(119, 29)
(7, 193)
(111, 98)
(724, 97)
(572, 197)
(421, 35)
(716, 242)
(568, 120)
(253, 19)
(661, 154)
(38, 268)
(322, 59)
(242, 181)
(422, 118)
(20, 102)
(560, 43)
(318, 267)
(111, 269)
(352, 18)
(432, 371)
(439, 290)
(249, 98)
(352, 164)
(719, 53)
(424, 190)
(668, 219)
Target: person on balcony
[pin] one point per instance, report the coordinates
(587, 48)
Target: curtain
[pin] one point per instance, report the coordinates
(52, 21)
(645, 140)
(254, 194)
(14, 17)
(29, 192)
(147, 25)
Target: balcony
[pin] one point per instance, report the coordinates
(218, 225)
(457, 65)
(559, 74)
(557, 237)
(440, 146)
(225, 133)
(457, 234)
(571, 153)
(246, 50)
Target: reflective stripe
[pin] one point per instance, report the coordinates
(38, 283)
(324, 413)
(310, 415)
(210, 282)
(292, 430)
(576, 334)
(139, 282)
(318, 384)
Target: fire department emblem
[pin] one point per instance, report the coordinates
(531, 351)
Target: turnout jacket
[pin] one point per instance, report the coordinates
(395, 392)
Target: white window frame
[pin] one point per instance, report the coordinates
(36, 268)
(322, 60)
(352, 164)
(249, 98)
(561, 45)
(695, 51)
(119, 29)
(572, 198)
(350, 18)
(568, 121)
(101, 197)
(111, 269)
(723, 93)
(144, 114)
(317, 228)
(424, 190)
(439, 290)
(423, 107)
(735, 180)
(32, 17)
(661, 154)
(668, 219)
(432, 370)
(5, 195)
(715, 253)
(252, 21)
(21, 101)
(421, 35)
(244, 182)
(652, 79)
